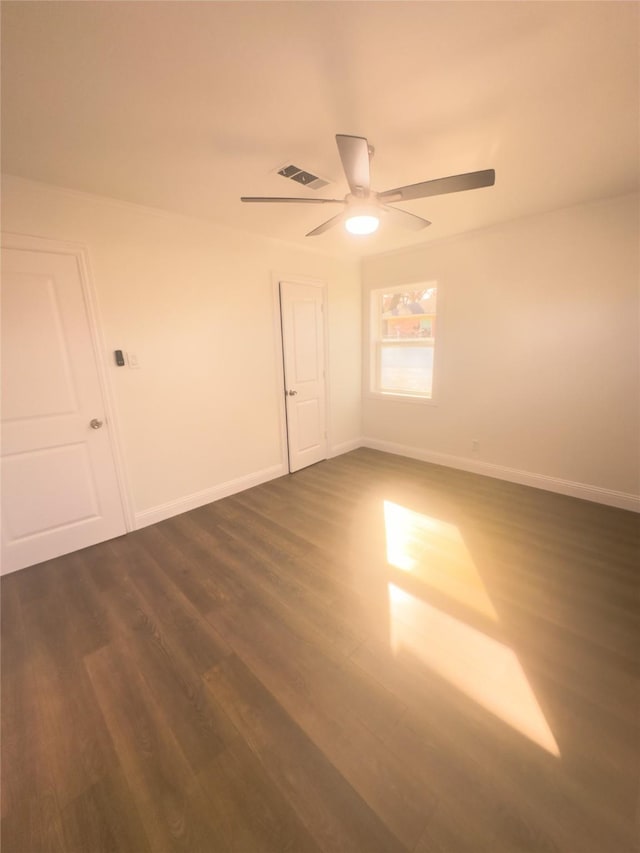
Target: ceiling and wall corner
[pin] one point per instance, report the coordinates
(135, 127)
(194, 301)
(538, 362)
(188, 106)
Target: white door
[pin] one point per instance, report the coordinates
(59, 485)
(301, 308)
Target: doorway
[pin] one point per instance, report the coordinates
(303, 349)
(60, 486)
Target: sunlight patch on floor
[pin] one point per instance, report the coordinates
(485, 670)
(482, 668)
(435, 553)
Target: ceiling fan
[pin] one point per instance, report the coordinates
(364, 207)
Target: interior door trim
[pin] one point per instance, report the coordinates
(276, 278)
(80, 253)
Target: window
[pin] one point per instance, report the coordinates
(403, 333)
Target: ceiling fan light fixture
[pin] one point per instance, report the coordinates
(364, 206)
(362, 223)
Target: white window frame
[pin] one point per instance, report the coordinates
(373, 316)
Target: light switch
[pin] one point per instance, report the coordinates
(132, 358)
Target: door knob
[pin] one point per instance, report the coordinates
(95, 423)
(292, 393)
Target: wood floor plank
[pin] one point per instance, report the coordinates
(167, 795)
(60, 742)
(253, 813)
(155, 640)
(178, 689)
(334, 814)
(285, 584)
(204, 575)
(342, 712)
(33, 826)
(350, 592)
(478, 761)
(17, 700)
(104, 818)
(173, 611)
(242, 678)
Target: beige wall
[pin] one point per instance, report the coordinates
(538, 354)
(196, 303)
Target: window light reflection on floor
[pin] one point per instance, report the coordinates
(485, 670)
(435, 553)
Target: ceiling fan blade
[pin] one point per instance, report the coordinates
(293, 200)
(354, 153)
(326, 225)
(441, 186)
(404, 218)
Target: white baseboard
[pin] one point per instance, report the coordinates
(344, 447)
(621, 500)
(609, 497)
(206, 496)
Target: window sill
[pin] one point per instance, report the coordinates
(400, 398)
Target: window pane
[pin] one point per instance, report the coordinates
(406, 369)
(402, 338)
(408, 314)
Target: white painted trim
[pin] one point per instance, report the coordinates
(32, 243)
(326, 366)
(206, 496)
(276, 278)
(400, 398)
(609, 497)
(282, 408)
(345, 447)
(370, 361)
(115, 432)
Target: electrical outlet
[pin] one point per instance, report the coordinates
(475, 445)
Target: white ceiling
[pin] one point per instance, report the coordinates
(187, 106)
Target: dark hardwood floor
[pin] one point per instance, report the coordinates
(372, 654)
